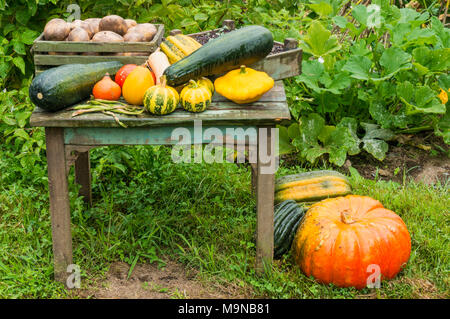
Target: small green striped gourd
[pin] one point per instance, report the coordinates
(311, 186)
(195, 97)
(287, 217)
(161, 99)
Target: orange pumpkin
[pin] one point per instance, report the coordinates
(106, 89)
(340, 238)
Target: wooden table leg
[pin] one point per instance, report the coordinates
(83, 176)
(254, 169)
(59, 202)
(265, 187)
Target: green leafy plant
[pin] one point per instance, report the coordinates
(380, 69)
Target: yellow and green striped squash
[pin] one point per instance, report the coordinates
(311, 186)
(161, 99)
(204, 81)
(178, 46)
(195, 97)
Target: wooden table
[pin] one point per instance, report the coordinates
(69, 139)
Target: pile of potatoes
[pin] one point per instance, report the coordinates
(112, 28)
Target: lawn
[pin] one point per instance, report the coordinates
(147, 209)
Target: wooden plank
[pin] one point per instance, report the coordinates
(83, 176)
(265, 188)
(163, 135)
(274, 114)
(59, 202)
(55, 60)
(40, 45)
(281, 65)
(225, 112)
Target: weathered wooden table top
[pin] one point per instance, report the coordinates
(269, 110)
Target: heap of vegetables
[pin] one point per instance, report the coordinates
(112, 28)
(176, 74)
(349, 241)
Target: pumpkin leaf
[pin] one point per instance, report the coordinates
(317, 139)
(318, 41)
(284, 143)
(444, 81)
(394, 60)
(359, 67)
(419, 99)
(322, 8)
(377, 148)
(433, 60)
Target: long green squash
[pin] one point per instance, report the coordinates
(243, 46)
(62, 86)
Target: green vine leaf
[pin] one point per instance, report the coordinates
(318, 41)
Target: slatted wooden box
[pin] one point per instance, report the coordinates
(284, 63)
(102, 51)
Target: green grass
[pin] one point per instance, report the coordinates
(201, 215)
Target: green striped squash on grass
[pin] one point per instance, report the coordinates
(195, 97)
(312, 186)
(287, 217)
(161, 99)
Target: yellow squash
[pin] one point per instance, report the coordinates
(206, 82)
(136, 84)
(178, 46)
(195, 97)
(243, 85)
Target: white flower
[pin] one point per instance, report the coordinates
(321, 60)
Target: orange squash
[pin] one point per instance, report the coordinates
(344, 240)
(136, 84)
(106, 89)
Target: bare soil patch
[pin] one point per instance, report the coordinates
(148, 281)
(419, 158)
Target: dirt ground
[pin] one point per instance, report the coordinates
(148, 281)
(420, 158)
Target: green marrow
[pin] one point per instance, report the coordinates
(287, 217)
(243, 46)
(62, 86)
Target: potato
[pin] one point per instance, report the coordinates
(56, 30)
(78, 34)
(130, 23)
(84, 25)
(94, 24)
(113, 23)
(133, 37)
(107, 36)
(148, 30)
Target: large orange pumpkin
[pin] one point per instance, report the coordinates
(340, 238)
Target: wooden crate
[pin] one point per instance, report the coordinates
(281, 65)
(44, 61)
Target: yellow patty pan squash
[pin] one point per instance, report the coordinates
(243, 85)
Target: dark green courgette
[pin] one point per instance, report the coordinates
(243, 46)
(288, 215)
(62, 86)
(282, 210)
